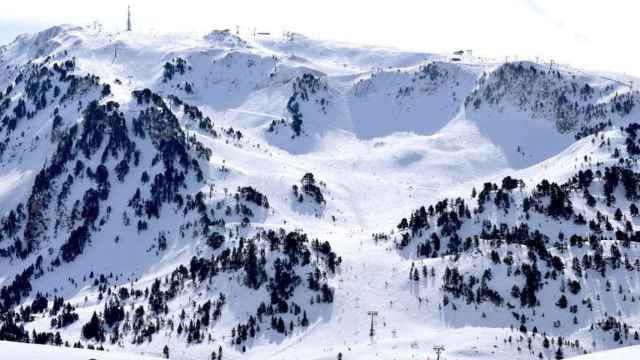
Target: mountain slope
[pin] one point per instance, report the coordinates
(244, 196)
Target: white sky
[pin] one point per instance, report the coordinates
(599, 35)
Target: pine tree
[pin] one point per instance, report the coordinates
(562, 302)
(93, 329)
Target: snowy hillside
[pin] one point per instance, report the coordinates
(234, 196)
(630, 352)
(14, 350)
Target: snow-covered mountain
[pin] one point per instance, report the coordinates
(227, 196)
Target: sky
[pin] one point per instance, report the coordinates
(590, 34)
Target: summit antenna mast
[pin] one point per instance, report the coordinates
(129, 18)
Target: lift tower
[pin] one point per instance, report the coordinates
(371, 329)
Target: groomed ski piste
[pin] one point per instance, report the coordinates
(383, 132)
